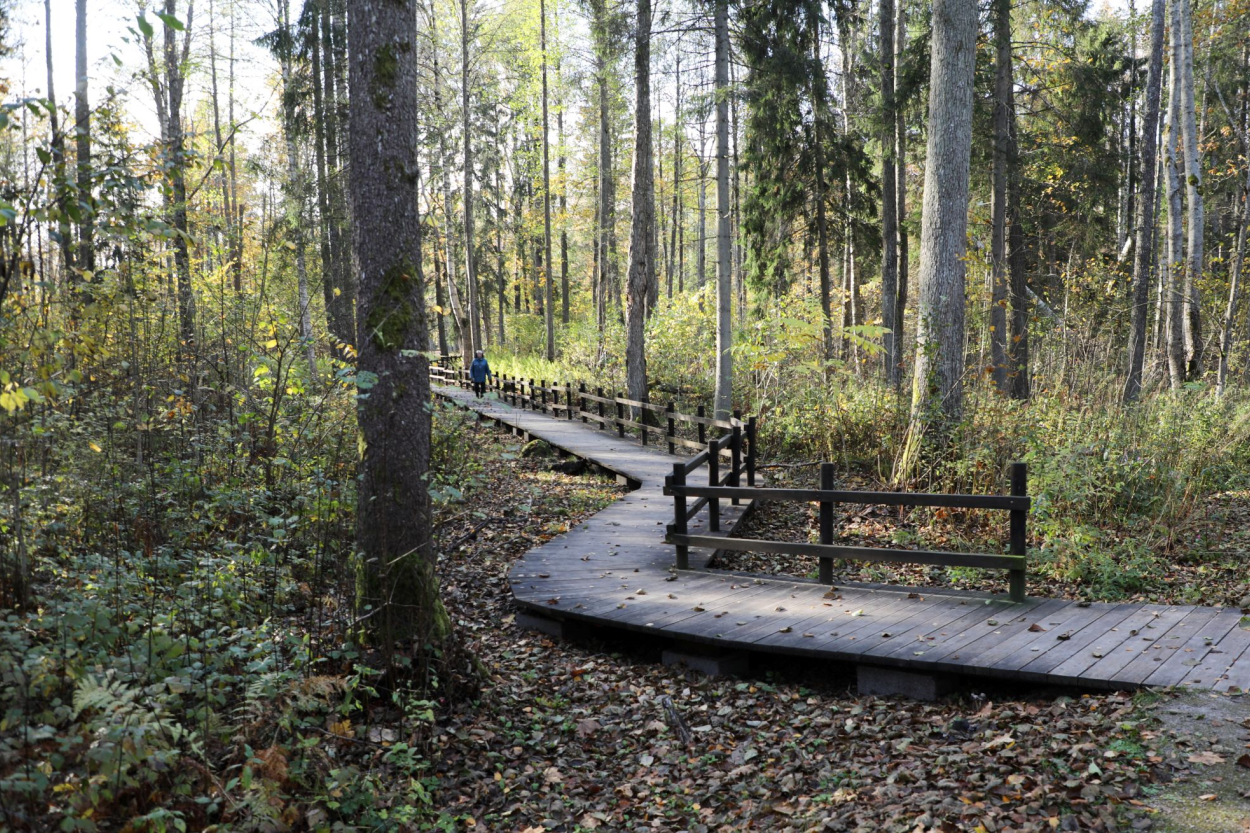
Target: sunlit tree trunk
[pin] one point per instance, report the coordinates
(1193, 196)
(642, 229)
(474, 330)
(1174, 292)
(82, 143)
(57, 141)
(889, 192)
(900, 196)
(820, 126)
(937, 391)
(724, 243)
(549, 306)
(998, 195)
(295, 192)
(1144, 244)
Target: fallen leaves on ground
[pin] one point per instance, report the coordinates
(574, 735)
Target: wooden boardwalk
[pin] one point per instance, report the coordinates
(615, 570)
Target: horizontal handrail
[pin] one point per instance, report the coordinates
(609, 412)
(1017, 504)
(1003, 502)
(882, 554)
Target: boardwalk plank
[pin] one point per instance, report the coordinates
(1193, 650)
(1214, 668)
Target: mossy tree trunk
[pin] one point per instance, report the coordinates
(397, 588)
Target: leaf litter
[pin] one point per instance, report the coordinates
(588, 734)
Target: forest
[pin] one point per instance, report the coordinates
(260, 552)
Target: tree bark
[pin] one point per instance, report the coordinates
(606, 232)
(1174, 291)
(820, 125)
(642, 229)
(998, 196)
(295, 190)
(900, 197)
(1193, 197)
(724, 282)
(937, 392)
(564, 209)
(82, 143)
(474, 333)
(549, 308)
(1144, 244)
(397, 587)
(57, 141)
(889, 192)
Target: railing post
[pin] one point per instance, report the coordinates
(751, 452)
(826, 522)
(599, 393)
(1019, 537)
(672, 428)
(642, 425)
(678, 479)
(581, 401)
(735, 450)
(713, 479)
(702, 428)
(620, 425)
(568, 399)
(542, 386)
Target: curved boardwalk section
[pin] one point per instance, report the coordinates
(615, 570)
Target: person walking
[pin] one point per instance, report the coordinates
(479, 372)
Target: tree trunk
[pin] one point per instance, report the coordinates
(295, 192)
(57, 141)
(474, 330)
(700, 259)
(900, 196)
(397, 587)
(1144, 244)
(174, 79)
(819, 128)
(642, 229)
(329, 292)
(937, 392)
(1239, 256)
(1193, 198)
(724, 284)
(342, 280)
(998, 195)
(564, 211)
(549, 306)
(889, 192)
(677, 133)
(606, 232)
(1174, 292)
(82, 143)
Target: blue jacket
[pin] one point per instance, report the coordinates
(480, 370)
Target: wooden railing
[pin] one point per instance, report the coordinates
(1017, 504)
(611, 411)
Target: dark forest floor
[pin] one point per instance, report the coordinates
(574, 735)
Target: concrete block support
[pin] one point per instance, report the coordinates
(712, 666)
(541, 624)
(888, 682)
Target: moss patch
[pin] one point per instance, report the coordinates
(386, 71)
(391, 315)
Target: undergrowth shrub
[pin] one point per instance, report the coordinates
(191, 659)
